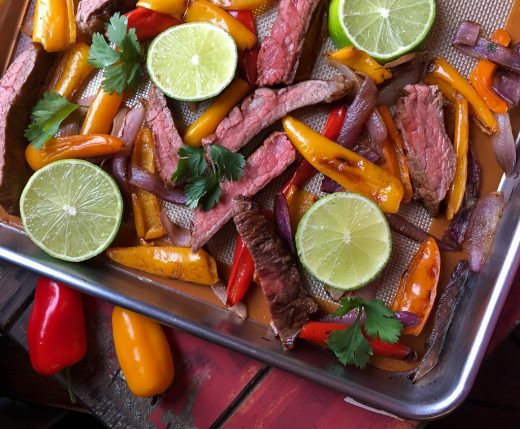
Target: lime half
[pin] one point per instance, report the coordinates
(192, 62)
(344, 240)
(385, 29)
(71, 209)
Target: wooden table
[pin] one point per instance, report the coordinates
(213, 387)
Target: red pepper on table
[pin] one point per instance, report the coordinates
(305, 171)
(148, 23)
(56, 332)
(242, 273)
(318, 332)
(247, 60)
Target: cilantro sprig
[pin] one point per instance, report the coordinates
(350, 345)
(121, 64)
(204, 172)
(48, 114)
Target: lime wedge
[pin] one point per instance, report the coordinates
(192, 62)
(385, 29)
(71, 209)
(344, 240)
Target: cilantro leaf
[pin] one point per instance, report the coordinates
(180, 171)
(350, 345)
(229, 165)
(116, 29)
(381, 322)
(101, 54)
(348, 304)
(46, 118)
(212, 196)
(192, 161)
(197, 188)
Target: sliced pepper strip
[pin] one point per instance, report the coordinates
(483, 76)
(54, 24)
(248, 59)
(147, 210)
(418, 287)
(218, 110)
(447, 90)
(72, 147)
(238, 4)
(101, 113)
(242, 272)
(460, 144)
(148, 23)
(299, 201)
(441, 69)
(344, 166)
(360, 61)
(72, 71)
(205, 11)
(174, 8)
(168, 262)
(143, 353)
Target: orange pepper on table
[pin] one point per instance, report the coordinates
(418, 287)
(75, 147)
(483, 75)
(460, 144)
(147, 210)
(174, 8)
(361, 62)
(101, 113)
(54, 24)
(143, 353)
(205, 11)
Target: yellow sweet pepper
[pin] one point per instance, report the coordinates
(441, 69)
(205, 11)
(54, 24)
(143, 353)
(175, 8)
(101, 113)
(169, 262)
(360, 61)
(460, 144)
(239, 4)
(218, 110)
(147, 210)
(72, 71)
(344, 166)
(298, 201)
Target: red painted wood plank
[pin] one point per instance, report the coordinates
(283, 401)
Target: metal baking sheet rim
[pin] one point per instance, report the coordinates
(465, 346)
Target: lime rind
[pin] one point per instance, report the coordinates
(323, 251)
(50, 189)
(193, 61)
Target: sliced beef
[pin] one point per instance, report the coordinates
(92, 15)
(280, 51)
(20, 88)
(276, 270)
(266, 106)
(167, 139)
(267, 162)
(430, 154)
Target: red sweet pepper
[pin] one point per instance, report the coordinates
(247, 60)
(56, 332)
(242, 273)
(148, 23)
(305, 171)
(318, 332)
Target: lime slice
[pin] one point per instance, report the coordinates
(192, 62)
(344, 240)
(71, 209)
(385, 29)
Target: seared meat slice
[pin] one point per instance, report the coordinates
(265, 106)
(280, 51)
(267, 162)
(431, 158)
(92, 15)
(20, 88)
(276, 269)
(167, 139)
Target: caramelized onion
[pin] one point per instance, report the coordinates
(283, 221)
(504, 143)
(155, 185)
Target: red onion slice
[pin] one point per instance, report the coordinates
(155, 185)
(504, 143)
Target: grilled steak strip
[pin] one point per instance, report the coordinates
(265, 106)
(92, 15)
(167, 139)
(280, 51)
(276, 269)
(267, 162)
(20, 88)
(430, 154)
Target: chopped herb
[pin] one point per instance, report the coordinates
(492, 47)
(350, 345)
(121, 65)
(46, 118)
(229, 164)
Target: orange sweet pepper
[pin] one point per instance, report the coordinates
(174, 8)
(54, 24)
(299, 201)
(101, 113)
(361, 62)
